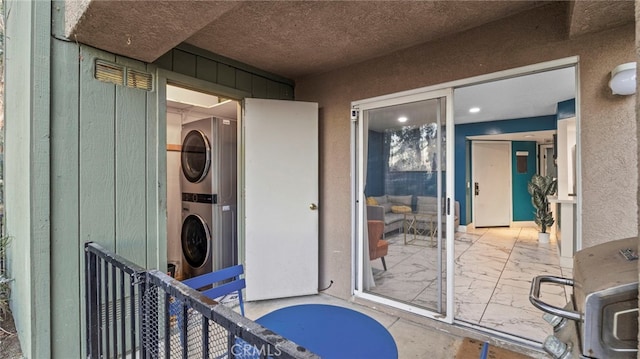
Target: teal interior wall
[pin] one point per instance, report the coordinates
(382, 181)
(420, 183)
(522, 207)
(375, 165)
(487, 128)
(566, 109)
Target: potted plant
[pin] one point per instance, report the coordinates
(540, 187)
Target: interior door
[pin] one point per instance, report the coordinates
(280, 197)
(491, 184)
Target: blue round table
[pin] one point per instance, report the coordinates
(332, 331)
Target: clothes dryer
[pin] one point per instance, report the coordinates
(195, 157)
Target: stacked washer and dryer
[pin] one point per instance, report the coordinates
(209, 195)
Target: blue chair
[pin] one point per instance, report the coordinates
(230, 277)
(211, 287)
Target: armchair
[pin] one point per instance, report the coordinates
(378, 248)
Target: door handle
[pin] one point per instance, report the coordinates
(476, 188)
(313, 206)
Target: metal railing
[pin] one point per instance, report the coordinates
(113, 288)
(132, 312)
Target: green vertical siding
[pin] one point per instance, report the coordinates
(243, 81)
(66, 247)
(184, 63)
(156, 175)
(200, 64)
(206, 69)
(86, 161)
(97, 157)
(27, 166)
(226, 75)
(105, 180)
(259, 86)
(130, 168)
(40, 192)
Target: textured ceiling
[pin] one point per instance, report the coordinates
(294, 39)
(592, 16)
(299, 38)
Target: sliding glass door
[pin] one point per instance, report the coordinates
(405, 210)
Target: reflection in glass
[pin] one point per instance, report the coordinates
(405, 189)
(413, 148)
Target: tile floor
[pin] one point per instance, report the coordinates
(494, 268)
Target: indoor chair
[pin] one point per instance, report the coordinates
(378, 248)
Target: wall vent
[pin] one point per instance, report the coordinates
(139, 80)
(109, 72)
(121, 75)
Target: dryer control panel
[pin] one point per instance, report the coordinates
(200, 198)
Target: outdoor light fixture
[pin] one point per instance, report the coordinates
(474, 110)
(402, 119)
(623, 79)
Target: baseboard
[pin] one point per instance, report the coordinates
(516, 224)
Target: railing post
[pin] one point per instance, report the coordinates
(133, 282)
(143, 314)
(91, 296)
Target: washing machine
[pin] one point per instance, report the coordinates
(208, 183)
(196, 235)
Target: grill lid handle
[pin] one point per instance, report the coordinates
(534, 297)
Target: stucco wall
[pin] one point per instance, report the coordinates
(608, 137)
(637, 30)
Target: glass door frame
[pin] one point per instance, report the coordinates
(356, 167)
(359, 204)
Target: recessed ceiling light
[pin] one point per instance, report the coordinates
(402, 119)
(528, 136)
(474, 110)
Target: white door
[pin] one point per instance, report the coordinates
(491, 183)
(280, 198)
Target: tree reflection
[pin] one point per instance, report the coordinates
(413, 148)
